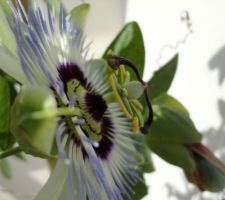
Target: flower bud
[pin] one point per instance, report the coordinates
(33, 120)
(210, 172)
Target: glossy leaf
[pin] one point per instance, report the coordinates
(162, 78)
(79, 14)
(171, 125)
(173, 153)
(129, 44)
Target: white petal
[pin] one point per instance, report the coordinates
(6, 36)
(10, 64)
(57, 186)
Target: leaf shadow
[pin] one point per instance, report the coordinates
(217, 62)
(22, 185)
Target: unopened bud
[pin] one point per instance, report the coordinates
(210, 172)
(33, 120)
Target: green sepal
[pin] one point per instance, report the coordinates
(162, 78)
(129, 43)
(170, 101)
(35, 135)
(79, 14)
(173, 126)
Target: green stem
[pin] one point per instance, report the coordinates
(10, 152)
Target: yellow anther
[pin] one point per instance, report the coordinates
(135, 125)
(117, 96)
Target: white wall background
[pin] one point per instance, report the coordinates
(199, 82)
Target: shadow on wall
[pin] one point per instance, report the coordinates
(22, 185)
(218, 62)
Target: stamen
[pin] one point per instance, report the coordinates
(86, 139)
(115, 62)
(93, 143)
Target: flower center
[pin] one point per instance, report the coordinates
(91, 106)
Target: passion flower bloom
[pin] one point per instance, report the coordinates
(97, 154)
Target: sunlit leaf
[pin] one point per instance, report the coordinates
(129, 44)
(162, 78)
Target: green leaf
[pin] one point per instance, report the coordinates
(6, 96)
(171, 131)
(7, 140)
(170, 101)
(173, 153)
(129, 44)
(79, 15)
(5, 105)
(172, 125)
(5, 168)
(145, 158)
(148, 166)
(140, 189)
(162, 78)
